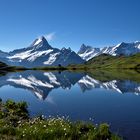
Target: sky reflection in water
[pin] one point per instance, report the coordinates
(78, 96)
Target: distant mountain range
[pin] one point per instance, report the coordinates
(41, 53)
(126, 49)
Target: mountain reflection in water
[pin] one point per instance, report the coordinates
(42, 83)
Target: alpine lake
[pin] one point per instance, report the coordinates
(111, 96)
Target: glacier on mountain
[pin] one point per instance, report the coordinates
(126, 49)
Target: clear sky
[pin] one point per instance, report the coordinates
(68, 23)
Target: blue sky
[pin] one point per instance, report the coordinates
(68, 23)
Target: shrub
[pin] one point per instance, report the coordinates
(15, 124)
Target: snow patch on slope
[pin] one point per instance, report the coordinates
(37, 54)
(22, 55)
(29, 55)
(38, 41)
(51, 59)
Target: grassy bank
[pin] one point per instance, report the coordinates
(15, 124)
(105, 61)
(118, 62)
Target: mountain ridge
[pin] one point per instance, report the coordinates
(126, 49)
(40, 53)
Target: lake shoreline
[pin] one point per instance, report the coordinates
(16, 124)
(109, 73)
(37, 87)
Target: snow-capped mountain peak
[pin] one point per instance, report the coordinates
(84, 48)
(39, 40)
(40, 53)
(40, 43)
(88, 52)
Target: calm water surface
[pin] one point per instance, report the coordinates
(79, 96)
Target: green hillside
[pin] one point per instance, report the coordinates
(107, 61)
